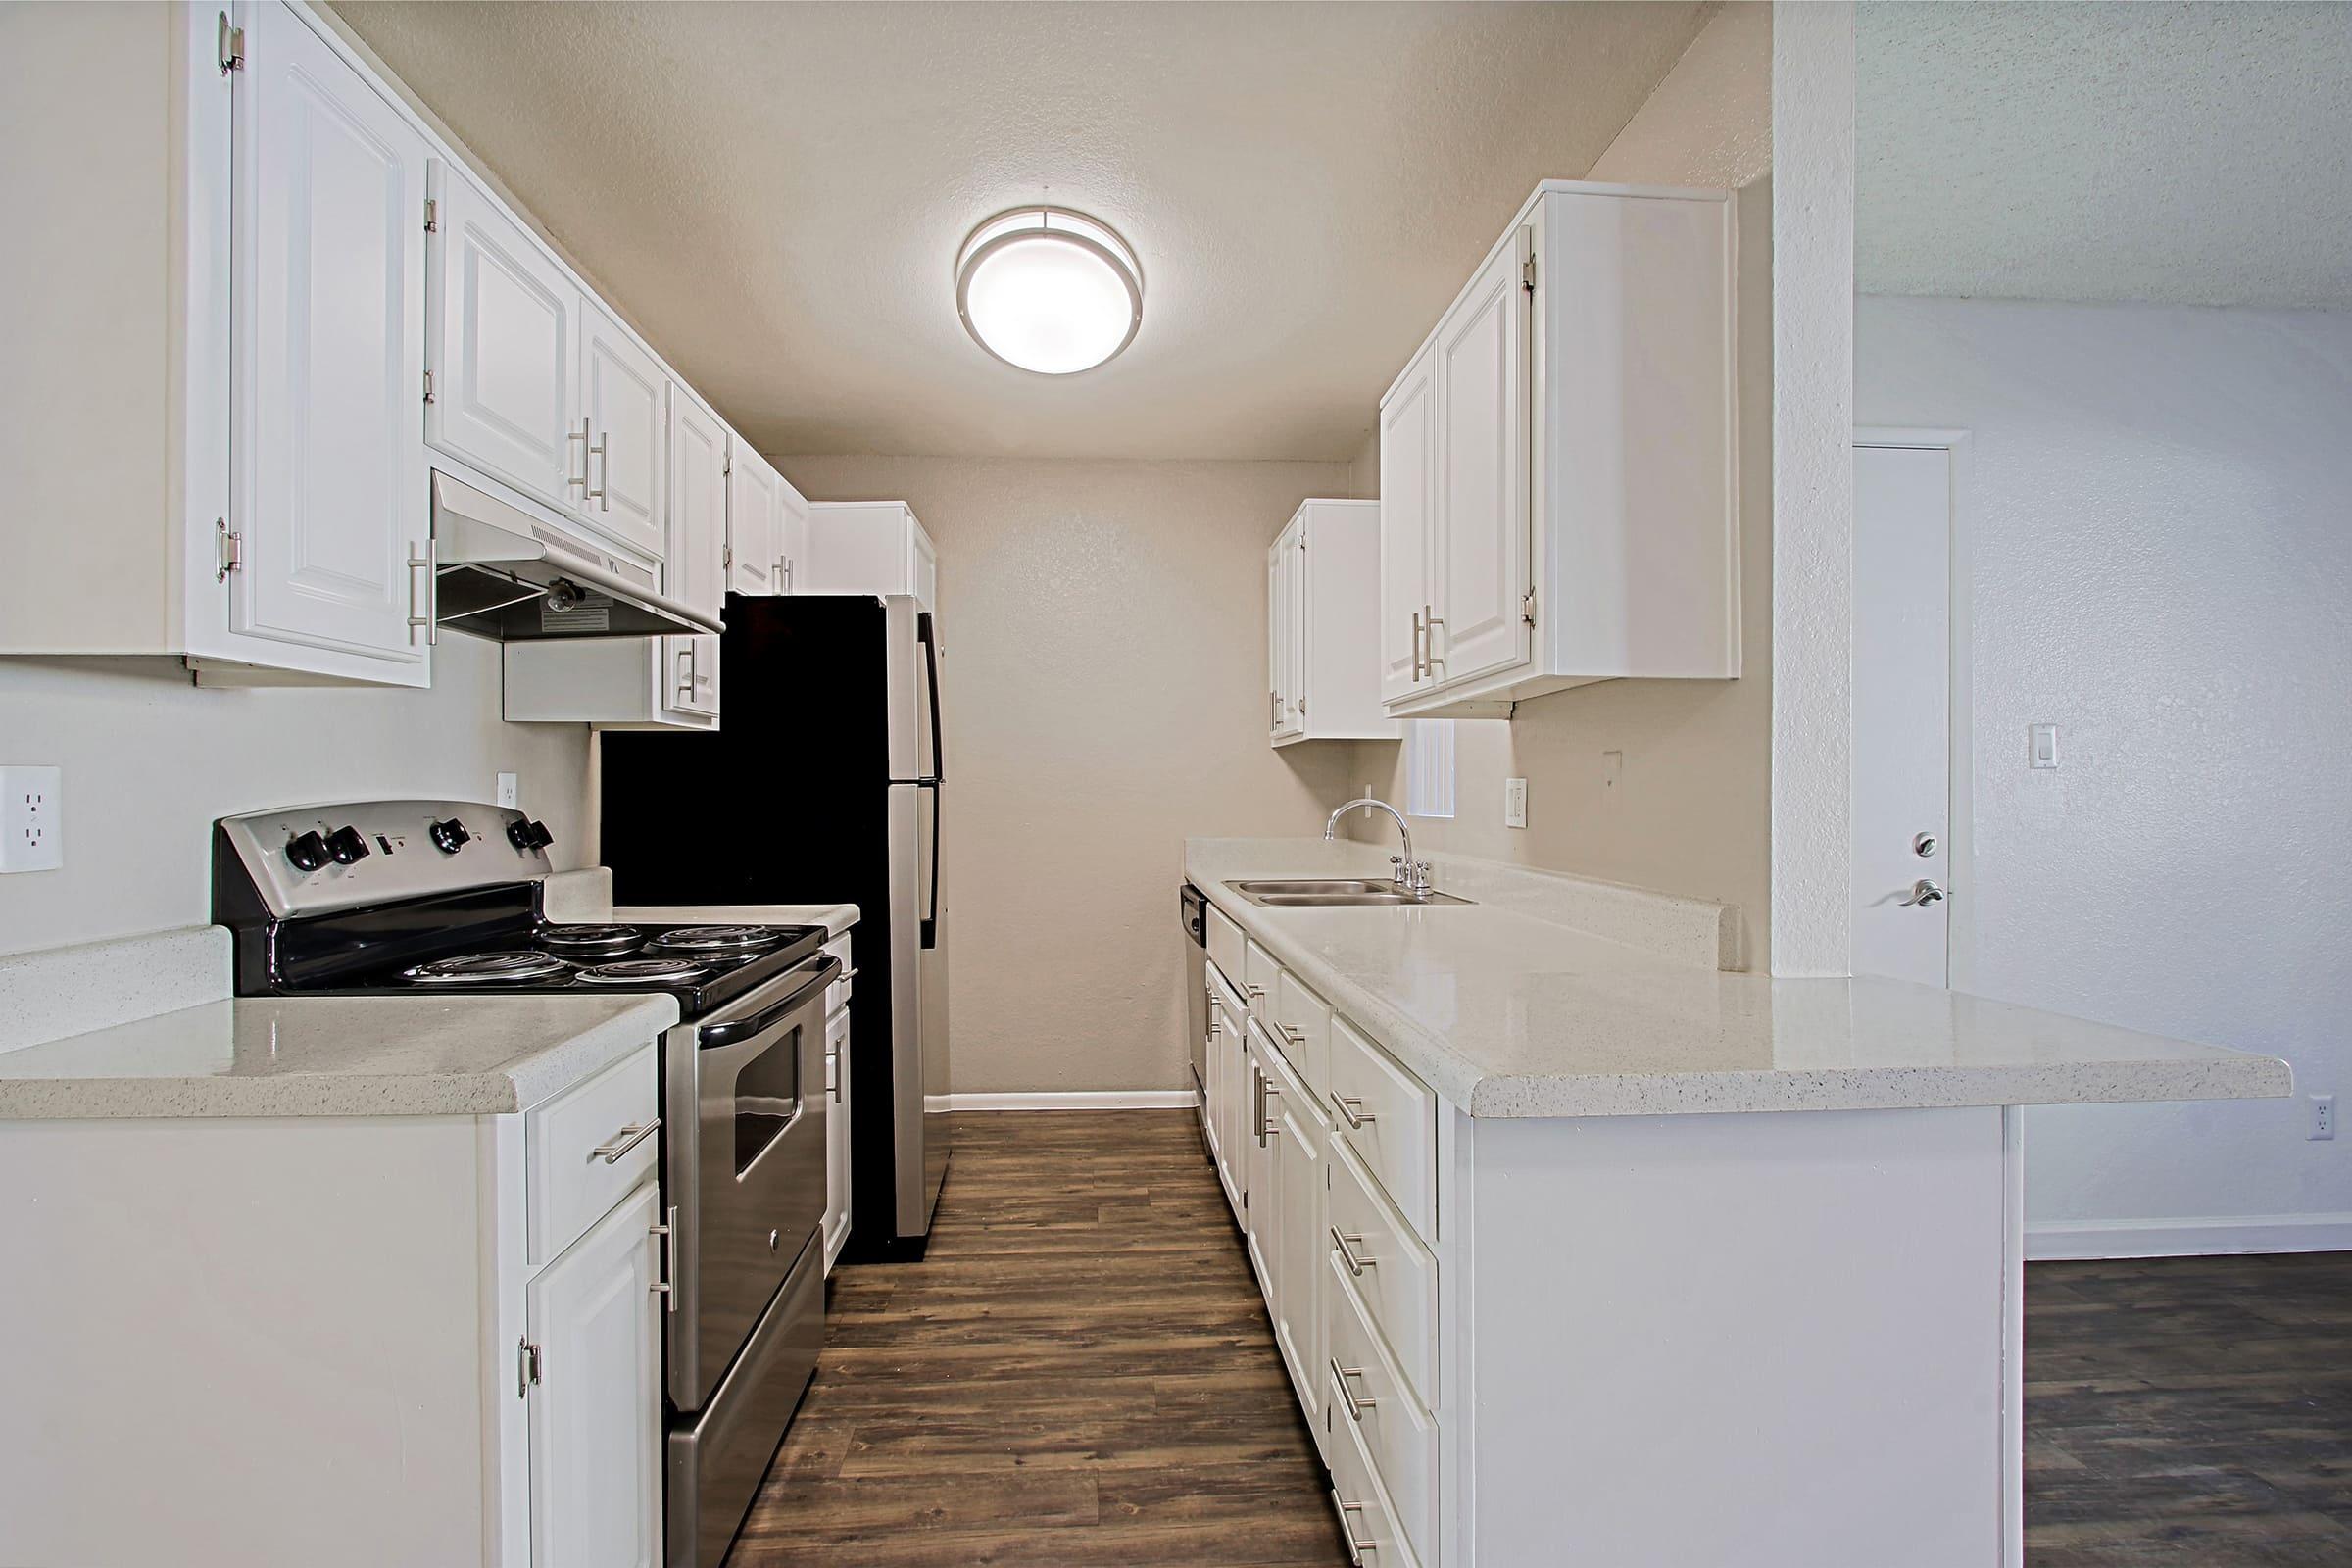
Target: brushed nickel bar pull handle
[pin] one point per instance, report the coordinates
(1343, 1244)
(1356, 1406)
(1418, 666)
(1356, 1548)
(1430, 623)
(597, 494)
(1267, 1089)
(623, 1142)
(432, 594)
(686, 673)
(581, 436)
(669, 1232)
(1350, 1111)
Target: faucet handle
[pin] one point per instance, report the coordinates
(1397, 869)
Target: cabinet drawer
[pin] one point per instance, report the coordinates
(1226, 946)
(1389, 1119)
(1365, 1517)
(1392, 1273)
(571, 1186)
(837, 995)
(1302, 1019)
(1399, 1438)
(1260, 978)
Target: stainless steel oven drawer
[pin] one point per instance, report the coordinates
(719, 1457)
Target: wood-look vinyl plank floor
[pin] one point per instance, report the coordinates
(1081, 1375)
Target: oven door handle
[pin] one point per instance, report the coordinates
(729, 1031)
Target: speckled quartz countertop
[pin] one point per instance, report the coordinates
(1507, 1013)
(331, 1056)
(144, 1026)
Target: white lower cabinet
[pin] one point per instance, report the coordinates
(596, 1411)
(837, 1136)
(364, 1360)
(1536, 1339)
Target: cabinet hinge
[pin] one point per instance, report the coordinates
(228, 549)
(432, 216)
(1527, 274)
(1527, 607)
(429, 386)
(526, 1367)
(232, 46)
(727, 556)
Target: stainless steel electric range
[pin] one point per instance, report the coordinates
(441, 898)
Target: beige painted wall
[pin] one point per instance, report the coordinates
(1104, 626)
(1691, 811)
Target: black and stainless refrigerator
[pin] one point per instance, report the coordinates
(823, 784)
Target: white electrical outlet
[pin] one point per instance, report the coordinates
(510, 790)
(31, 820)
(2323, 1117)
(1514, 802)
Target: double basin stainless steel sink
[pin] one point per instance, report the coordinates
(1336, 892)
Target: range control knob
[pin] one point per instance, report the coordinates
(347, 845)
(528, 835)
(306, 852)
(449, 837)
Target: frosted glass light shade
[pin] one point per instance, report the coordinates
(1048, 290)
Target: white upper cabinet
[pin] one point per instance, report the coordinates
(869, 547)
(755, 507)
(621, 405)
(506, 330)
(1409, 585)
(792, 536)
(698, 513)
(1556, 463)
(1324, 623)
(330, 366)
(1482, 521)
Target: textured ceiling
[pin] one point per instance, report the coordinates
(775, 193)
(2189, 154)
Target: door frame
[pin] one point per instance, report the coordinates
(1960, 937)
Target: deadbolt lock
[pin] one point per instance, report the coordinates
(1924, 845)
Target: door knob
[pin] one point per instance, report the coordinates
(1925, 892)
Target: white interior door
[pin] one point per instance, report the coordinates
(1407, 434)
(329, 199)
(1482, 502)
(1902, 712)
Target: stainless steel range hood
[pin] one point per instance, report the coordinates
(503, 574)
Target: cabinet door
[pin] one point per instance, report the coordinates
(596, 1411)
(506, 323)
(329, 191)
(792, 535)
(1481, 493)
(922, 565)
(621, 397)
(1293, 629)
(1297, 1257)
(698, 525)
(837, 1136)
(1258, 1166)
(1229, 1079)
(1408, 478)
(753, 500)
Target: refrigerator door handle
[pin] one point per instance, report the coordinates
(930, 926)
(924, 634)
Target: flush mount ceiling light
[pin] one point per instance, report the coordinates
(1048, 290)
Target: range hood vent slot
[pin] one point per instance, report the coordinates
(507, 576)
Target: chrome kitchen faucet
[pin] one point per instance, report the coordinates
(1406, 872)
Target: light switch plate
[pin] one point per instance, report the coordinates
(2041, 745)
(1514, 802)
(31, 820)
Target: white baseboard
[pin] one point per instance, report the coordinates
(1077, 1099)
(2048, 1241)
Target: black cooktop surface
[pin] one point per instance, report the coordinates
(703, 966)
